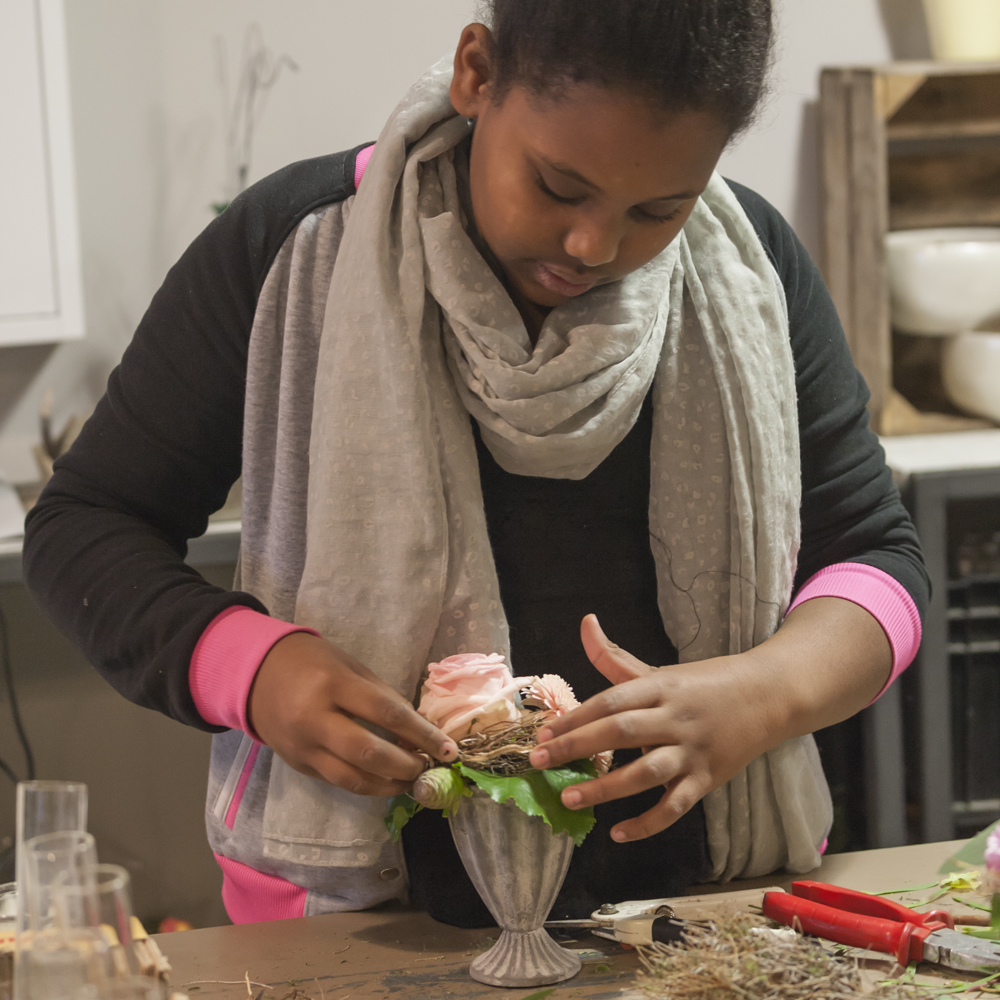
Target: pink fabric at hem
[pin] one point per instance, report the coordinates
(361, 162)
(251, 896)
(241, 785)
(226, 660)
(883, 597)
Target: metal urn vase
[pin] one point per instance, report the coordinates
(518, 867)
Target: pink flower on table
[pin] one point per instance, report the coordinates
(551, 693)
(992, 853)
(467, 692)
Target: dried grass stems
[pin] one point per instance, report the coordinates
(502, 748)
(730, 959)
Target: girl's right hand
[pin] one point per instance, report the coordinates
(307, 704)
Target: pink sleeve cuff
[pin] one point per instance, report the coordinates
(884, 598)
(361, 162)
(225, 662)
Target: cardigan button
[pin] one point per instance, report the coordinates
(389, 874)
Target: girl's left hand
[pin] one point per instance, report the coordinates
(698, 724)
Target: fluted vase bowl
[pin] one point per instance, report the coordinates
(517, 865)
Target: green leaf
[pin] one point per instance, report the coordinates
(974, 905)
(970, 854)
(986, 933)
(539, 994)
(537, 794)
(402, 808)
(909, 888)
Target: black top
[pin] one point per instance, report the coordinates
(105, 544)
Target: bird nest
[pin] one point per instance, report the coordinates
(502, 748)
(740, 957)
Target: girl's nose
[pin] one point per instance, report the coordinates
(592, 242)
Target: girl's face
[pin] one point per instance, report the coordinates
(577, 190)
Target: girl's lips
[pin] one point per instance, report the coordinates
(554, 281)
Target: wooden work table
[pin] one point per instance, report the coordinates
(400, 953)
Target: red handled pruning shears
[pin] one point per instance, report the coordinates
(872, 922)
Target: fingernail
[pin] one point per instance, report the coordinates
(544, 735)
(448, 750)
(539, 757)
(620, 835)
(571, 797)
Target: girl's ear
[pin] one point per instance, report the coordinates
(470, 86)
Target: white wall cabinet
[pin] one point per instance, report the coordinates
(40, 279)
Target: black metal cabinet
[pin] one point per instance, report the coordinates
(951, 694)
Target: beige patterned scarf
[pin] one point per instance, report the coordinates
(418, 335)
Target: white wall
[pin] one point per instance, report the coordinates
(148, 133)
(355, 62)
(114, 87)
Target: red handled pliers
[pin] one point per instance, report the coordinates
(878, 924)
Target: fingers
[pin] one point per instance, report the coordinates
(662, 766)
(387, 709)
(326, 767)
(621, 708)
(315, 706)
(614, 662)
(623, 730)
(675, 803)
(350, 742)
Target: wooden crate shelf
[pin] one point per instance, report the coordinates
(932, 131)
(905, 145)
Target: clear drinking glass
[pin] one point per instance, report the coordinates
(57, 892)
(8, 921)
(124, 988)
(45, 807)
(59, 950)
(100, 907)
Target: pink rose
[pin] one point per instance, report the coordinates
(465, 693)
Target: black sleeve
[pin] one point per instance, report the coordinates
(105, 544)
(851, 509)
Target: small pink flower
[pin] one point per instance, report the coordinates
(467, 692)
(991, 855)
(552, 693)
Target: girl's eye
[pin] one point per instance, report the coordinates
(558, 197)
(640, 214)
(644, 216)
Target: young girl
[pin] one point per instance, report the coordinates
(542, 362)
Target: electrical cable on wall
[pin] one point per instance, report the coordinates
(15, 709)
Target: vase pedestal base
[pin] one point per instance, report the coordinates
(524, 958)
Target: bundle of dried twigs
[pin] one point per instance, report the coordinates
(502, 748)
(732, 959)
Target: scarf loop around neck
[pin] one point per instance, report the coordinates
(418, 334)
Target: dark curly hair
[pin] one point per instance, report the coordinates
(699, 55)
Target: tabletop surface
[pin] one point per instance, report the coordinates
(400, 953)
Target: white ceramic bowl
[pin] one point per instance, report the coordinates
(970, 370)
(944, 281)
